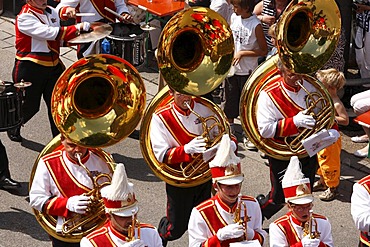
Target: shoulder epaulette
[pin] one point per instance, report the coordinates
(100, 231)
(146, 225)
(205, 204)
(52, 155)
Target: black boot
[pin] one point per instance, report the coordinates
(15, 134)
(9, 184)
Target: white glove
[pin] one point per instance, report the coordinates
(307, 242)
(250, 233)
(78, 204)
(83, 26)
(333, 136)
(135, 243)
(301, 120)
(195, 146)
(230, 231)
(233, 146)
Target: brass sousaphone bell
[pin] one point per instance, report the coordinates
(307, 35)
(98, 101)
(195, 52)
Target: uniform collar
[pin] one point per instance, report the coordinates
(36, 10)
(295, 220)
(83, 160)
(117, 233)
(224, 206)
(184, 112)
(290, 88)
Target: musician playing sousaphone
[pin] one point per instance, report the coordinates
(93, 11)
(123, 228)
(61, 183)
(176, 137)
(282, 113)
(228, 218)
(300, 226)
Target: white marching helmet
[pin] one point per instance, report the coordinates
(119, 196)
(225, 167)
(296, 188)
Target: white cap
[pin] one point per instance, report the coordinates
(119, 196)
(225, 167)
(296, 188)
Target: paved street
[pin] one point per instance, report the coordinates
(18, 226)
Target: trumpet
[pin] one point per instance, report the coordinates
(131, 228)
(310, 227)
(241, 207)
(96, 206)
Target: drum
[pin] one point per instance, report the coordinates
(10, 107)
(128, 42)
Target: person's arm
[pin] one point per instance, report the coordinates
(341, 114)
(31, 26)
(198, 229)
(277, 236)
(360, 207)
(162, 148)
(260, 51)
(41, 197)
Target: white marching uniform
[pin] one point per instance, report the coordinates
(287, 231)
(208, 217)
(360, 208)
(164, 138)
(107, 236)
(57, 178)
(86, 6)
(269, 113)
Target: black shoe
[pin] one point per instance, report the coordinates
(15, 134)
(9, 184)
(259, 198)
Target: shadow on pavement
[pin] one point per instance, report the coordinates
(136, 168)
(35, 146)
(22, 222)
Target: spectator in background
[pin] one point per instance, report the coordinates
(362, 39)
(329, 158)
(249, 44)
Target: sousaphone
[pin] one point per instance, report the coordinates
(195, 52)
(307, 35)
(97, 102)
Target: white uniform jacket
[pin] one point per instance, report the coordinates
(213, 214)
(57, 178)
(39, 35)
(171, 128)
(93, 6)
(277, 104)
(107, 236)
(287, 231)
(360, 208)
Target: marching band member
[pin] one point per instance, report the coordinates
(122, 228)
(68, 9)
(360, 209)
(281, 112)
(38, 40)
(212, 223)
(176, 135)
(60, 182)
(299, 227)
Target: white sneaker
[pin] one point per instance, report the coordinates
(360, 154)
(248, 144)
(360, 139)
